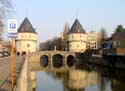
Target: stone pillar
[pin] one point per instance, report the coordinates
(50, 61)
(65, 62)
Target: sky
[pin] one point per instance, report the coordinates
(49, 16)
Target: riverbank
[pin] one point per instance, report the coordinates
(113, 61)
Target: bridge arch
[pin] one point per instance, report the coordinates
(44, 60)
(57, 60)
(70, 60)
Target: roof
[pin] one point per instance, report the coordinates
(76, 27)
(118, 35)
(108, 39)
(26, 26)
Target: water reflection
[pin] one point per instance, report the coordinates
(82, 77)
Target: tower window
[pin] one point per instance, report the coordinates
(28, 45)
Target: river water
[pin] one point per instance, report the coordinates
(81, 77)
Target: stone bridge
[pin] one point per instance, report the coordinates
(55, 59)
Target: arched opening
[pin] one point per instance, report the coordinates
(18, 53)
(23, 53)
(70, 60)
(44, 60)
(57, 60)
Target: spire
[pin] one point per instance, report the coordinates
(76, 27)
(66, 28)
(26, 26)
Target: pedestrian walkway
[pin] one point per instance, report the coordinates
(5, 72)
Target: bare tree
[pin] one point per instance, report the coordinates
(66, 30)
(64, 39)
(103, 33)
(103, 36)
(5, 8)
(51, 44)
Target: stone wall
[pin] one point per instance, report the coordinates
(23, 83)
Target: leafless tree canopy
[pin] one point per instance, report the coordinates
(103, 33)
(5, 8)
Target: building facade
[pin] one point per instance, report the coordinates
(4, 46)
(77, 38)
(93, 40)
(26, 41)
(118, 40)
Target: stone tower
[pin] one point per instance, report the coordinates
(26, 41)
(77, 38)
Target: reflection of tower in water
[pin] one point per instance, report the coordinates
(78, 80)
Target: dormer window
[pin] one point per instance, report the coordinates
(78, 30)
(22, 29)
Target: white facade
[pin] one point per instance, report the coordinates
(26, 42)
(77, 42)
(93, 40)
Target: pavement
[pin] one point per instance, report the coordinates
(5, 71)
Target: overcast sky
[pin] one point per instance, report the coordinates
(49, 16)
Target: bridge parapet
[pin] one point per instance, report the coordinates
(51, 57)
(35, 56)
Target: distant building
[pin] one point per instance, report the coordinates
(115, 44)
(64, 37)
(107, 44)
(65, 31)
(93, 40)
(4, 46)
(118, 40)
(26, 41)
(77, 38)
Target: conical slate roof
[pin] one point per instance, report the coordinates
(76, 27)
(26, 26)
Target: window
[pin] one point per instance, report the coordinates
(72, 36)
(29, 36)
(114, 43)
(22, 36)
(78, 30)
(119, 43)
(28, 45)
